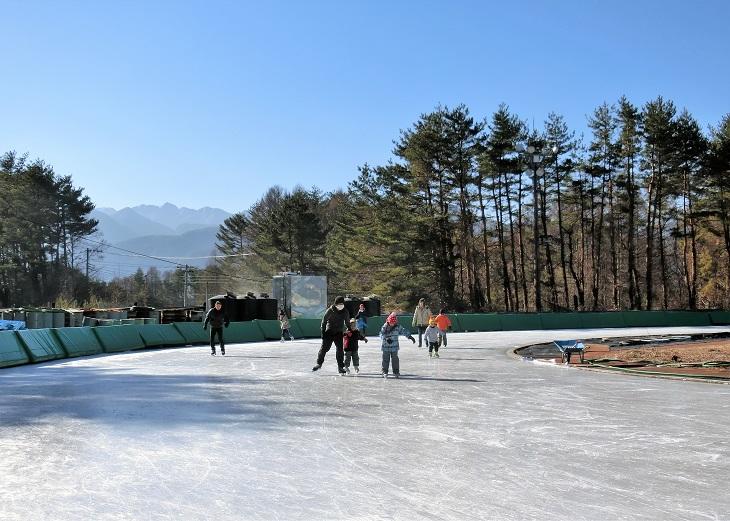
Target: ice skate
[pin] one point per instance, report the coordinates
(357, 369)
(436, 355)
(347, 369)
(342, 372)
(397, 375)
(212, 353)
(316, 367)
(282, 340)
(385, 375)
(223, 352)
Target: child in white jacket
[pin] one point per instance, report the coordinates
(431, 335)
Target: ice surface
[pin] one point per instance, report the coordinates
(477, 434)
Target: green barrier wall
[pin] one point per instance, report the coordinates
(645, 318)
(456, 326)
(719, 318)
(239, 332)
(405, 321)
(115, 339)
(193, 332)
(155, 335)
(375, 324)
(560, 320)
(270, 328)
(478, 322)
(78, 341)
(520, 322)
(11, 350)
(41, 345)
(307, 327)
(688, 318)
(601, 319)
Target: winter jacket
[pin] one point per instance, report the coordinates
(351, 339)
(431, 334)
(389, 337)
(362, 320)
(216, 318)
(443, 322)
(421, 316)
(335, 321)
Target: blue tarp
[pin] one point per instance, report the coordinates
(12, 325)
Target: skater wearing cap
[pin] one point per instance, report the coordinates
(217, 318)
(431, 336)
(350, 340)
(334, 323)
(389, 336)
(421, 316)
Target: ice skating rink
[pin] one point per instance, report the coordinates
(178, 434)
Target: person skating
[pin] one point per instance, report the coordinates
(217, 318)
(362, 319)
(389, 336)
(431, 336)
(284, 322)
(421, 316)
(334, 323)
(443, 323)
(350, 340)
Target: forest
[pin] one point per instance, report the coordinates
(487, 214)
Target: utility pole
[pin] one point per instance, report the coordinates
(185, 287)
(88, 252)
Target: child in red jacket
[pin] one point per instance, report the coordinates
(350, 341)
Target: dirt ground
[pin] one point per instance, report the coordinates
(687, 352)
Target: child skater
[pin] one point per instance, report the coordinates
(350, 339)
(284, 320)
(389, 336)
(431, 335)
(443, 322)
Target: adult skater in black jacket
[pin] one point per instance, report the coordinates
(334, 324)
(217, 318)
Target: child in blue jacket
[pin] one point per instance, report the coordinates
(389, 335)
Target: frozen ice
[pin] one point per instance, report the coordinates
(476, 434)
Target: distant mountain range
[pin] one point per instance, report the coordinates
(159, 231)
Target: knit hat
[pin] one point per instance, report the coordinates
(339, 300)
(431, 321)
(392, 319)
(352, 321)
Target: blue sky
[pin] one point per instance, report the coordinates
(210, 103)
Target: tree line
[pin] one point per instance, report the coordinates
(476, 214)
(492, 215)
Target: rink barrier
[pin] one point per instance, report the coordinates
(12, 351)
(720, 318)
(41, 345)
(240, 332)
(601, 319)
(520, 321)
(688, 318)
(271, 329)
(78, 341)
(115, 339)
(645, 318)
(464, 322)
(192, 332)
(158, 335)
(560, 320)
(306, 327)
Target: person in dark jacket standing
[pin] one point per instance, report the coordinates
(362, 319)
(334, 323)
(217, 318)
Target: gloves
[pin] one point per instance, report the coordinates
(366, 340)
(412, 339)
